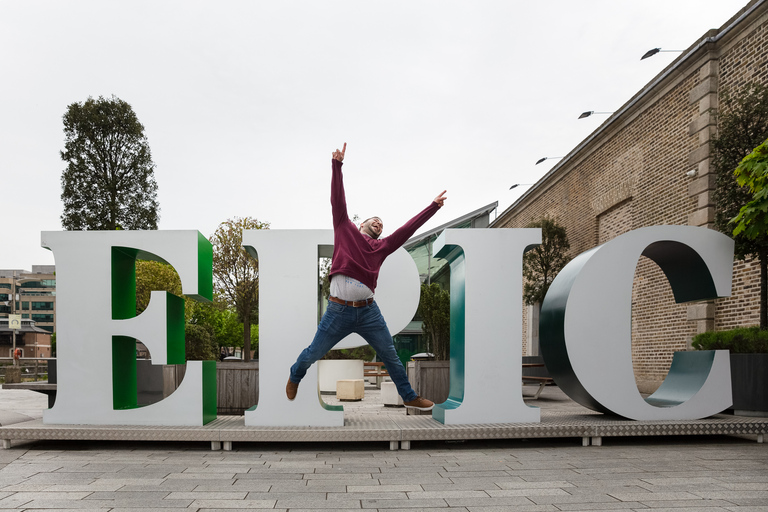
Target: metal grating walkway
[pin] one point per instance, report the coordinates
(371, 421)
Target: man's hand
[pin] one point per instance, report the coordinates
(440, 200)
(339, 155)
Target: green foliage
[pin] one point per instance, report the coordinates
(742, 125)
(200, 345)
(435, 313)
(153, 275)
(109, 181)
(53, 345)
(324, 278)
(364, 353)
(542, 263)
(223, 322)
(752, 173)
(236, 273)
(744, 340)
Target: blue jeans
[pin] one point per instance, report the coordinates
(338, 322)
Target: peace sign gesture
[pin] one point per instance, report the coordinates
(339, 155)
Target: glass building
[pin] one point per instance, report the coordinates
(411, 340)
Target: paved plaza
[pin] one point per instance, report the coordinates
(657, 473)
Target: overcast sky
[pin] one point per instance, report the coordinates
(243, 102)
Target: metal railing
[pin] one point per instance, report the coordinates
(32, 368)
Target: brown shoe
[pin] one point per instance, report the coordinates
(290, 389)
(419, 403)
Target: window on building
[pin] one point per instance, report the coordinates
(42, 306)
(42, 318)
(43, 283)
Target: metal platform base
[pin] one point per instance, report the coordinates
(398, 430)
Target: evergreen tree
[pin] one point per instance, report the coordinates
(109, 181)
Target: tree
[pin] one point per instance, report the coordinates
(154, 275)
(542, 263)
(742, 125)
(109, 181)
(199, 344)
(236, 274)
(752, 172)
(752, 220)
(435, 312)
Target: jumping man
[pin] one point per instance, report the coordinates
(358, 253)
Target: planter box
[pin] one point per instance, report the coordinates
(237, 385)
(749, 380)
(331, 370)
(431, 380)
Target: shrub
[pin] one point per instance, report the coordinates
(364, 353)
(744, 340)
(199, 343)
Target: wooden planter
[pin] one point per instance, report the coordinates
(749, 380)
(430, 379)
(237, 384)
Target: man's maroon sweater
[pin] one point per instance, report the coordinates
(357, 255)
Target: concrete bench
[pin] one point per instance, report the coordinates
(351, 390)
(390, 396)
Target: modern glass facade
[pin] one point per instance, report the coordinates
(411, 340)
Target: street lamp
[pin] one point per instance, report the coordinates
(654, 51)
(591, 112)
(519, 184)
(546, 158)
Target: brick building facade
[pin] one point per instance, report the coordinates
(634, 171)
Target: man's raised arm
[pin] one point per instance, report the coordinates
(338, 198)
(406, 231)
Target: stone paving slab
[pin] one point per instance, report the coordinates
(432, 460)
(675, 473)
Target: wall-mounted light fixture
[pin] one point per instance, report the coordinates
(592, 112)
(546, 158)
(651, 53)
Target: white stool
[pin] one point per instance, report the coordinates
(389, 395)
(350, 389)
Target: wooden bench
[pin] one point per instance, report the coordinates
(375, 369)
(541, 381)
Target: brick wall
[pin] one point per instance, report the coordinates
(746, 60)
(632, 173)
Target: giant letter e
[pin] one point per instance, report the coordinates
(97, 327)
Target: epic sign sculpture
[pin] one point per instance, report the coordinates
(585, 327)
